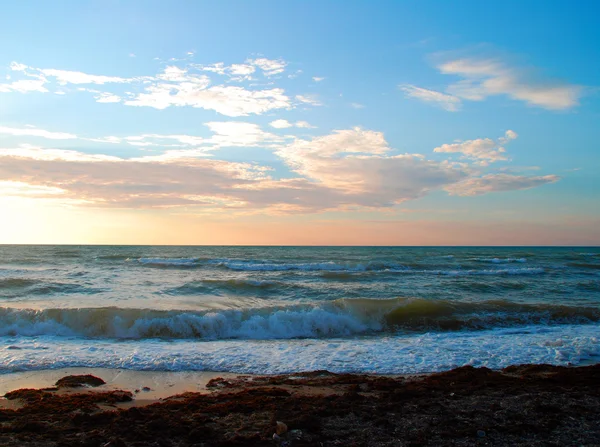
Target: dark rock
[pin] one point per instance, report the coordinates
(79, 381)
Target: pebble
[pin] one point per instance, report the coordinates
(281, 428)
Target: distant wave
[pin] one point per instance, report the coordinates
(16, 283)
(501, 260)
(343, 317)
(328, 266)
(169, 262)
(241, 286)
(13, 287)
(472, 272)
(584, 265)
(267, 266)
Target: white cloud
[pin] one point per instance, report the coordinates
(498, 183)
(25, 86)
(107, 98)
(225, 134)
(109, 139)
(64, 77)
(176, 87)
(16, 66)
(484, 149)
(285, 124)
(488, 77)
(446, 102)
(318, 79)
(309, 99)
(280, 124)
(236, 133)
(304, 125)
(269, 67)
(35, 132)
(241, 69)
(356, 105)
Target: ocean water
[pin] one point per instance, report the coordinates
(387, 310)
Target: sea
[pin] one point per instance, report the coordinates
(269, 310)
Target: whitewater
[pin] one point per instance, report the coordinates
(387, 310)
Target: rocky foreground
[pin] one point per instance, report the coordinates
(531, 405)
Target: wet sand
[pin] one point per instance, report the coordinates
(522, 405)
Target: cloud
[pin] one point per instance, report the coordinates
(241, 134)
(304, 125)
(483, 149)
(284, 124)
(447, 102)
(357, 163)
(64, 77)
(225, 134)
(25, 86)
(498, 183)
(490, 77)
(318, 79)
(309, 99)
(356, 105)
(107, 98)
(35, 132)
(269, 67)
(348, 169)
(280, 124)
(176, 87)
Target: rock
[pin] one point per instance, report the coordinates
(78, 381)
(276, 437)
(146, 389)
(281, 428)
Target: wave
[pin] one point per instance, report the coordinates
(472, 272)
(339, 318)
(212, 286)
(584, 265)
(168, 262)
(327, 266)
(16, 283)
(501, 260)
(14, 287)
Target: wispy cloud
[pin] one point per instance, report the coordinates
(488, 77)
(176, 87)
(269, 67)
(35, 132)
(498, 183)
(309, 99)
(483, 149)
(447, 102)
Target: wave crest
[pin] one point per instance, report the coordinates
(343, 317)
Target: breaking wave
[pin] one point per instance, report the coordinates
(339, 318)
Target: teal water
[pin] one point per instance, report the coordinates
(273, 309)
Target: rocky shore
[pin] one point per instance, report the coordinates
(531, 405)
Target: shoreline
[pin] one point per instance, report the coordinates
(518, 405)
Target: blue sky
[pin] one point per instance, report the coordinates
(466, 118)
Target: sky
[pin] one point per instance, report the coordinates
(300, 122)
